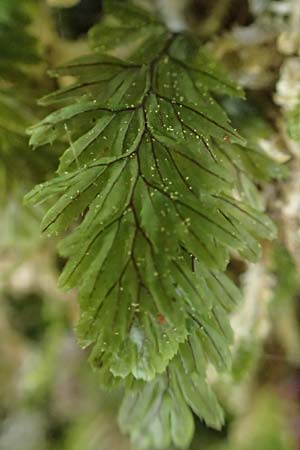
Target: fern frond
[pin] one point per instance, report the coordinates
(145, 189)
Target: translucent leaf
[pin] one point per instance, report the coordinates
(129, 32)
(157, 413)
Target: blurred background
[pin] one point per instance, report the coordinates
(50, 399)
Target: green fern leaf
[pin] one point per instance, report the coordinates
(144, 188)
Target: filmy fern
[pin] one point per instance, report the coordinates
(148, 189)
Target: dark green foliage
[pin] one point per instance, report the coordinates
(17, 49)
(19, 167)
(16, 45)
(148, 188)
